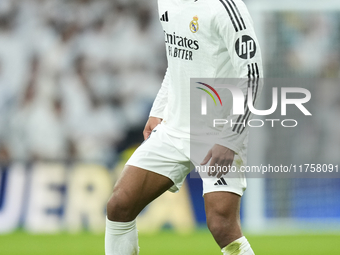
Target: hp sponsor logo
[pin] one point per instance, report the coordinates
(245, 47)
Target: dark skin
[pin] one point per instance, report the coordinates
(219, 155)
(137, 187)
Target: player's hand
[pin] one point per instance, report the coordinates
(150, 125)
(220, 156)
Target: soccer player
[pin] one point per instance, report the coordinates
(204, 38)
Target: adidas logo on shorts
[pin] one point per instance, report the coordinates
(220, 182)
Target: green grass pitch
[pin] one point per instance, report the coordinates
(165, 243)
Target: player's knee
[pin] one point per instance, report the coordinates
(214, 225)
(218, 223)
(119, 209)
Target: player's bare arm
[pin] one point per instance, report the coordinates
(219, 155)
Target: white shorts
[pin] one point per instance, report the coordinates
(170, 156)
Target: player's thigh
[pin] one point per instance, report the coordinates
(222, 205)
(223, 216)
(135, 189)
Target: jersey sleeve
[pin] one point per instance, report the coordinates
(161, 99)
(235, 28)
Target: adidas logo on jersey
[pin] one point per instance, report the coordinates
(220, 182)
(165, 17)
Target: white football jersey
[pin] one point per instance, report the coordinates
(205, 39)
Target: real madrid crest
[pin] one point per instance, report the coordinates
(194, 24)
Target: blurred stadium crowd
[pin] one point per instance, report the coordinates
(71, 87)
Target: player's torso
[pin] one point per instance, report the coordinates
(189, 35)
(193, 49)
